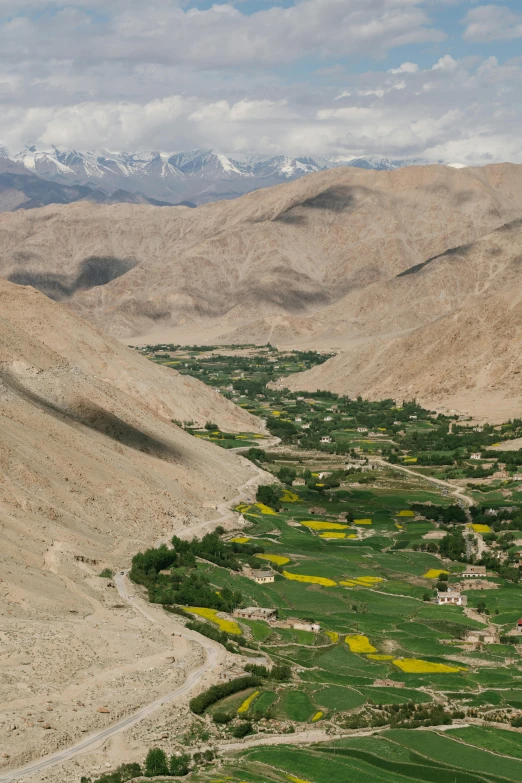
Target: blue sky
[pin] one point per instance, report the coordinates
(436, 79)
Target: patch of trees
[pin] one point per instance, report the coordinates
(435, 459)
(286, 475)
(286, 430)
(281, 673)
(513, 458)
(269, 495)
(257, 455)
(146, 565)
(453, 545)
(200, 703)
(124, 773)
(448, 515)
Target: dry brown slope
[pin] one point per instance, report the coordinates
(463, 354)
(89, 474)
(292, 249)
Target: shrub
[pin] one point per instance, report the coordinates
(156, 763)
(217, 692)
(242, 730)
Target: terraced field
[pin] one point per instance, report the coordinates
(362, 550)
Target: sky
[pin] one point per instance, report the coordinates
(431, 79)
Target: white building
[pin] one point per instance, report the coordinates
(451, 598)
(260, 576)
(362, 429)
(327, 418)
(326, 439)
(476, 455)
(473, 571)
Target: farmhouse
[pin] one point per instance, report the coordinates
(260, 576)
(362, 429)
(298, 418)
(479, 636)
(305, 427)
(388, 684)
(474, 571)
(476, 455)
(326, 439)
(452, 597)
(519, 626)
(477, 584)
(256, 613)
(327, 418)
(299, 482)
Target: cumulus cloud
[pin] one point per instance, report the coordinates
(492, 23)
(167, 75)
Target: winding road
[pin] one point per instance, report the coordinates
(214, 655)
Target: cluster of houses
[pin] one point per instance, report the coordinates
(453, 596)
(270, 616)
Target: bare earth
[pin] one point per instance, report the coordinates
(91, 470)
(412, 275)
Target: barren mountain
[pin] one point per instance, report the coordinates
(91, 469)
(334, 259)
(461, 313)
(289, 250)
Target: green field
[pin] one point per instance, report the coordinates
(370, 583)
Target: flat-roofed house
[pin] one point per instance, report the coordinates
(474, 571)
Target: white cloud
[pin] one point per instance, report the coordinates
(405, 68)
(492, 23)
(163, 75)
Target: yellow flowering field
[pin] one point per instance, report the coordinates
(278, 559)
(481, 528)
(313, 580)
(246, 704)
(289, 497)
(314, 524)
(264, 509)
(293, 779)
(434, 573)
(362, 581)
(406, 513)
(378, 657)
(362, 521)
(360, 644)
(332, 534)
(410, 460)
(317, 716)
(333, 636)
(418, 666)
(240, 540)
(229, 626)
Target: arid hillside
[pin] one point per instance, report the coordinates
(91, 469)
(460, 345)
(287, 251)
(361, 262)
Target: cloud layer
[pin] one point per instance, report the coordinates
(168, 75)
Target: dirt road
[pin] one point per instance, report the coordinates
(214, 654)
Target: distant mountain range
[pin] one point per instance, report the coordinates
(191, 178)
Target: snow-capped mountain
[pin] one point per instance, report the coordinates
(195, 176)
